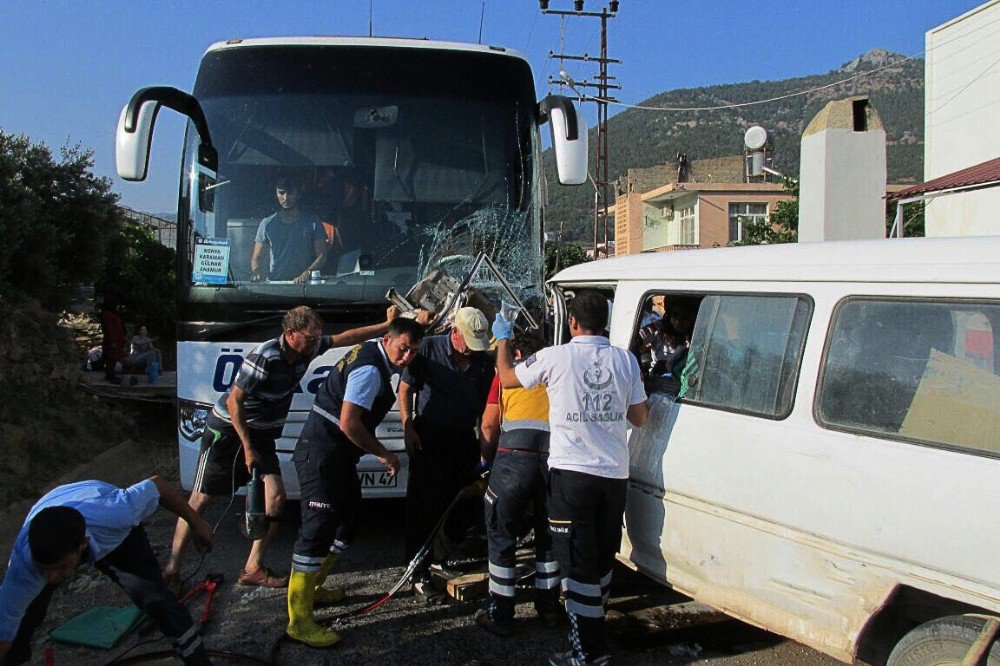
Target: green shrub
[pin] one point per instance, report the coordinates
(56, 217)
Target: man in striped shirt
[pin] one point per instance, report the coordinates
(245, 422)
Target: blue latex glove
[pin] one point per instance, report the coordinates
(502, 328)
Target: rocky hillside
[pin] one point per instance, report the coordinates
(639, 138)
(47, 424)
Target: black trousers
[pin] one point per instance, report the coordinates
(133, 567)
(516, 501)
(585, 519)
(445, 464)
(326, 465)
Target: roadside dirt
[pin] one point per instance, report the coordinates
(648, 624)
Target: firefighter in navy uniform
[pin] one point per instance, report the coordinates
(593, 388)
(355, 397)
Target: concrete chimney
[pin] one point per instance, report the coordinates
(842, 173)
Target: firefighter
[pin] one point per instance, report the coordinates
(351, 403)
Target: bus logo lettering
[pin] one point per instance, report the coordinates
(320, 376)
(225, 371)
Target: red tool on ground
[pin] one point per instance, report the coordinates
(211, 583)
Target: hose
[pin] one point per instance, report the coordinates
(422, 554)
(165, 654)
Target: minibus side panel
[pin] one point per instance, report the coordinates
(797, 528)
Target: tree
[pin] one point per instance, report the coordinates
(141, 273)
(568, 255)
(781, 227)
(56, 217)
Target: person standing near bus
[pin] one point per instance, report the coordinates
(242, 428)
(441, 397)
(95, 522)
(294, 240)
(349, 407)
(517, 488)
(593, 388)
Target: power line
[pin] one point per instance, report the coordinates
(722, 107)
(738, 105)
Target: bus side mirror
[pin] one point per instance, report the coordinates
(135, 130)
(569, 138)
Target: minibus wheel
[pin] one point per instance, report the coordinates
(957, 640)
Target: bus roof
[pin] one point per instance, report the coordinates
(944, 260)
(391, 42)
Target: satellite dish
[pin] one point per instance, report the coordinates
(756, 138)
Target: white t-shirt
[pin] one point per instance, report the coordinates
(590, 385)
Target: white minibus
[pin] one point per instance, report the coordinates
(831, 469)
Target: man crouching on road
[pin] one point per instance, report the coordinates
(592, 388)
(245, 422)
(351, 403)
(95, 522)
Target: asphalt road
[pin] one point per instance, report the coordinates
(648, 624)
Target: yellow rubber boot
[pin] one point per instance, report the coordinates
(302, 626)
(327, 595)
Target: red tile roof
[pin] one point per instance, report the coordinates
(980, 174)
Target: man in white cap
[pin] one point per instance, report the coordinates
(442, 394)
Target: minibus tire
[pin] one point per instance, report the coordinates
(942, 642)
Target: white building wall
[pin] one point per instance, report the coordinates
(962, 118)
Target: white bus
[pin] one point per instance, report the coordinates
(412, 155)
(832, 473)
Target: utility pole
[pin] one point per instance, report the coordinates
(603, 83)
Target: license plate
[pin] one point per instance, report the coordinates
(376, 480)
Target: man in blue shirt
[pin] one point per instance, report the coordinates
(95, 522)
(349, 407)
(294, 240)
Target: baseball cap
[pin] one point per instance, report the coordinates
(474, 327)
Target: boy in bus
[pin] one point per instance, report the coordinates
(95, 522)
(518, 421)
(242, 428)
(592, 388)
(349, 407)
(293, 240)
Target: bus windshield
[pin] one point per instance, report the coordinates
(346, 170)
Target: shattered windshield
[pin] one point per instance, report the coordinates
(341, 176)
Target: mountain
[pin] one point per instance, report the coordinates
(641, 138)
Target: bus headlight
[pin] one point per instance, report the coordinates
(191, 418)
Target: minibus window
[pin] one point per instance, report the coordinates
(917, 370)
(746, 351)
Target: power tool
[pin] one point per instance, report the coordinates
(255, 521)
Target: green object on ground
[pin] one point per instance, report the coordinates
(99, 627)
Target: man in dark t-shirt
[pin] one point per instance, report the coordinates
(441, 397)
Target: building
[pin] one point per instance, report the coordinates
(842, 173)
(961, 105)
(688, 205)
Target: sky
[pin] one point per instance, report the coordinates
(68, 67)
